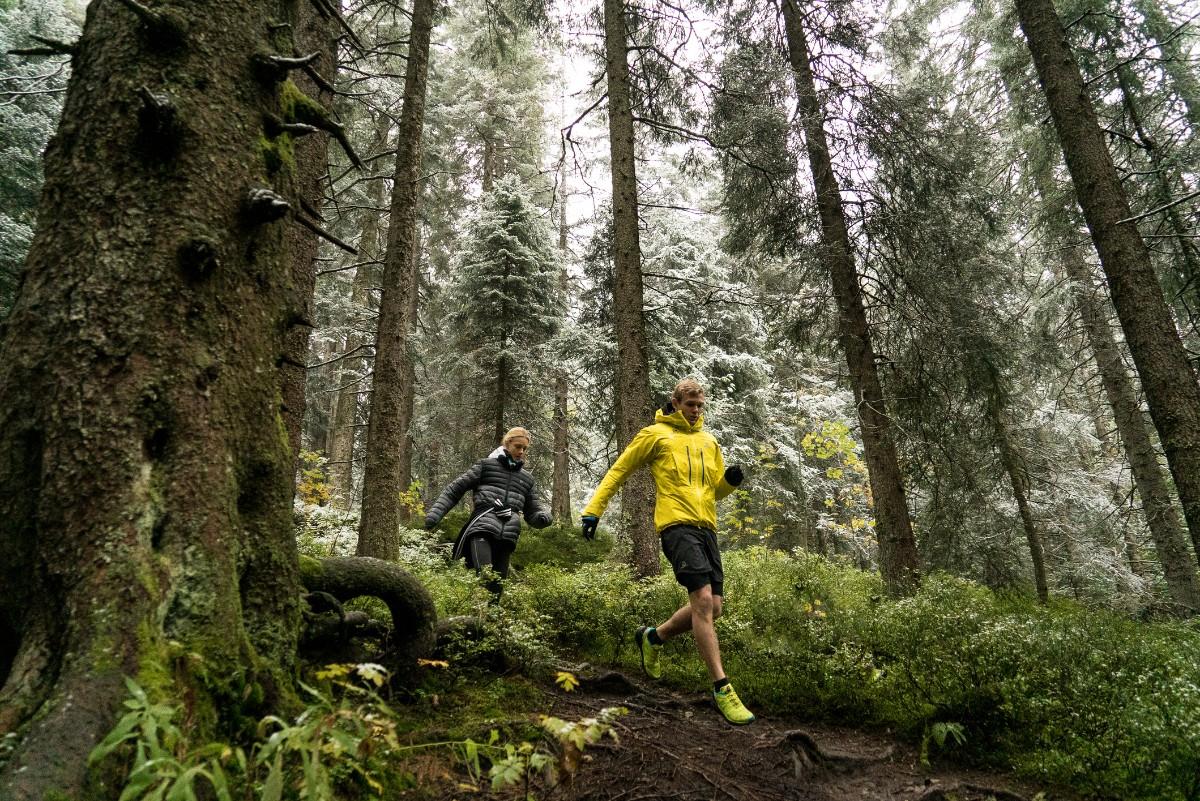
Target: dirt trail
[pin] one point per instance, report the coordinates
(678, 747)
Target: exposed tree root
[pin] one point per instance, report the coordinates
(412, 610)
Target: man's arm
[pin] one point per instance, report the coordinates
(724, 488)
(639, 451)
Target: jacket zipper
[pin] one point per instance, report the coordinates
(507, 484)
(689, 450)
(703, 472)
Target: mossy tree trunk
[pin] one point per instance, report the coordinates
(898, 559)
(635, 409)
(386, 426)
(145, 465)
(1172, 392)
(408, 388)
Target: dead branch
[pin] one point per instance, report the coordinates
(328, 237)
(53, 47)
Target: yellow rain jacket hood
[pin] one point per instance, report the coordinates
(688, 471)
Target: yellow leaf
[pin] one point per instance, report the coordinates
(566, 680)
(436, 663)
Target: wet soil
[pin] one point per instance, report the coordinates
(677, 747)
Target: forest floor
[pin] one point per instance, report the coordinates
(678, 747)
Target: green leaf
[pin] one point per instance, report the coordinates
(120, 733)
(220, 784)
(273, 786)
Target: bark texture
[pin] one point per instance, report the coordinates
(1172, 392)
(635, 408)
(408, 389)
(898, 559)
(145, 464)
(386, 427)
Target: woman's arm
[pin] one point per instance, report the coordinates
(452, 494)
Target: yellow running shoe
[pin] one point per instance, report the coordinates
(731, 706)
(651, 661)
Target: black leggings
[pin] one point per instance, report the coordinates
(483, 551)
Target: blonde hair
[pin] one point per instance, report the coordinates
(513, 433)
(686, 388)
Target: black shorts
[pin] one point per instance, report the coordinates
(693, 554)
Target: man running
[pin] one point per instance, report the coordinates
(689, 477)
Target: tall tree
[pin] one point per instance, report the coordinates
(508, 301)
(1172, 392)
(313, 35)
(560, 486)
(1162, 516)
(385, 437)
(898, 559)
(634, 404)
(352, 366)
(145, 475)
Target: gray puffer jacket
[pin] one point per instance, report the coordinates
(498, 477)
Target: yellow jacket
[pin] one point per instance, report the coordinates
(688, 471)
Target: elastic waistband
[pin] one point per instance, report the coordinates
(673, 526)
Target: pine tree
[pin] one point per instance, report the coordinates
(1172, 392)
(507, 304)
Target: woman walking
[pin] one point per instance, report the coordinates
(503, 492)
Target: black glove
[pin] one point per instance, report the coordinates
(734, 475)
(430, 523)
(589, 527)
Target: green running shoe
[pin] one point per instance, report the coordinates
(651, 653)
(731, 706)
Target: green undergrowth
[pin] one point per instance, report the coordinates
(358, 739)
(1064, 694)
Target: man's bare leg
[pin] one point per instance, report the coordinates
(698, 616)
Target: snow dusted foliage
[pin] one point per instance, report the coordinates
(505, 306)
(30, 102)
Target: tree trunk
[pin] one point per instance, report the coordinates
(1169, 382)
(1161, 514)
(312, 34)
(898, 559)
(560, 485)
(385, 437)
(1015, 468)
(408, 398)
(1184, 270)
(633, 371)
(352, 369)
(145, 464)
